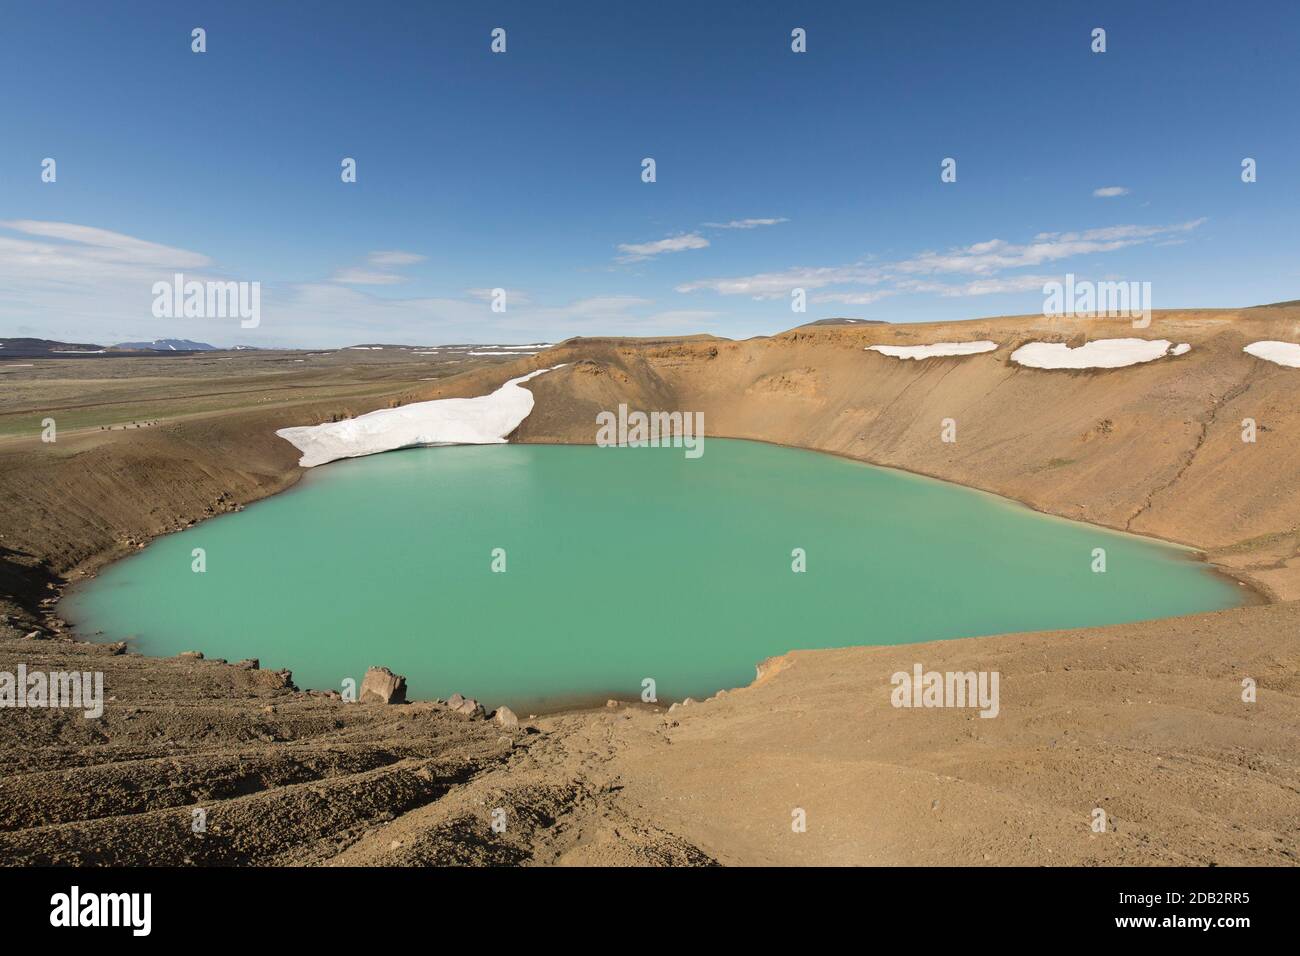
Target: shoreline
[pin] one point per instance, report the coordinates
(1255, 593)
(1259, 592)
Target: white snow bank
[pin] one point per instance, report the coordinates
(485, 420)
(1100, 353)
(932, 351)
(1280, 353)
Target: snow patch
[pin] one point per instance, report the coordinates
(485, 420)
(1100, 353)
(933, 351)
(1280, 353)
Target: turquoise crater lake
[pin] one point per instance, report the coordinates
(621, 564)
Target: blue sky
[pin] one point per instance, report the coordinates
(522, 170)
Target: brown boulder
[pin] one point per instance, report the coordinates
(382, 686)
(471, 708)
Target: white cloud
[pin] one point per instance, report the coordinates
(99, 245)
(375, 271)
(79, 283)
(774, 285)
(85, 256)
(366, 277)
(84, 284)
(993, 286)
(985, 260)
(744, 223)
(1124, 232)
(637, 252)
(854, 298)
(394, 257)
(1106, 192)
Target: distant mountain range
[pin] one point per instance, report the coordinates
(168, 345)
(52, 348)
(36, 348)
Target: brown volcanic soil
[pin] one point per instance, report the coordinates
(1144, 720)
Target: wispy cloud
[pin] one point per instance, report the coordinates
(1109, 233)
(982, 259)
(393, 258)
(1107, 192)
(85, 253)
(640, 251)
(854, 298)
(743, 223)
(62, 279)
(771, 285)
(975, 287)
(376, 270)
(81, 283)
(366, 277)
